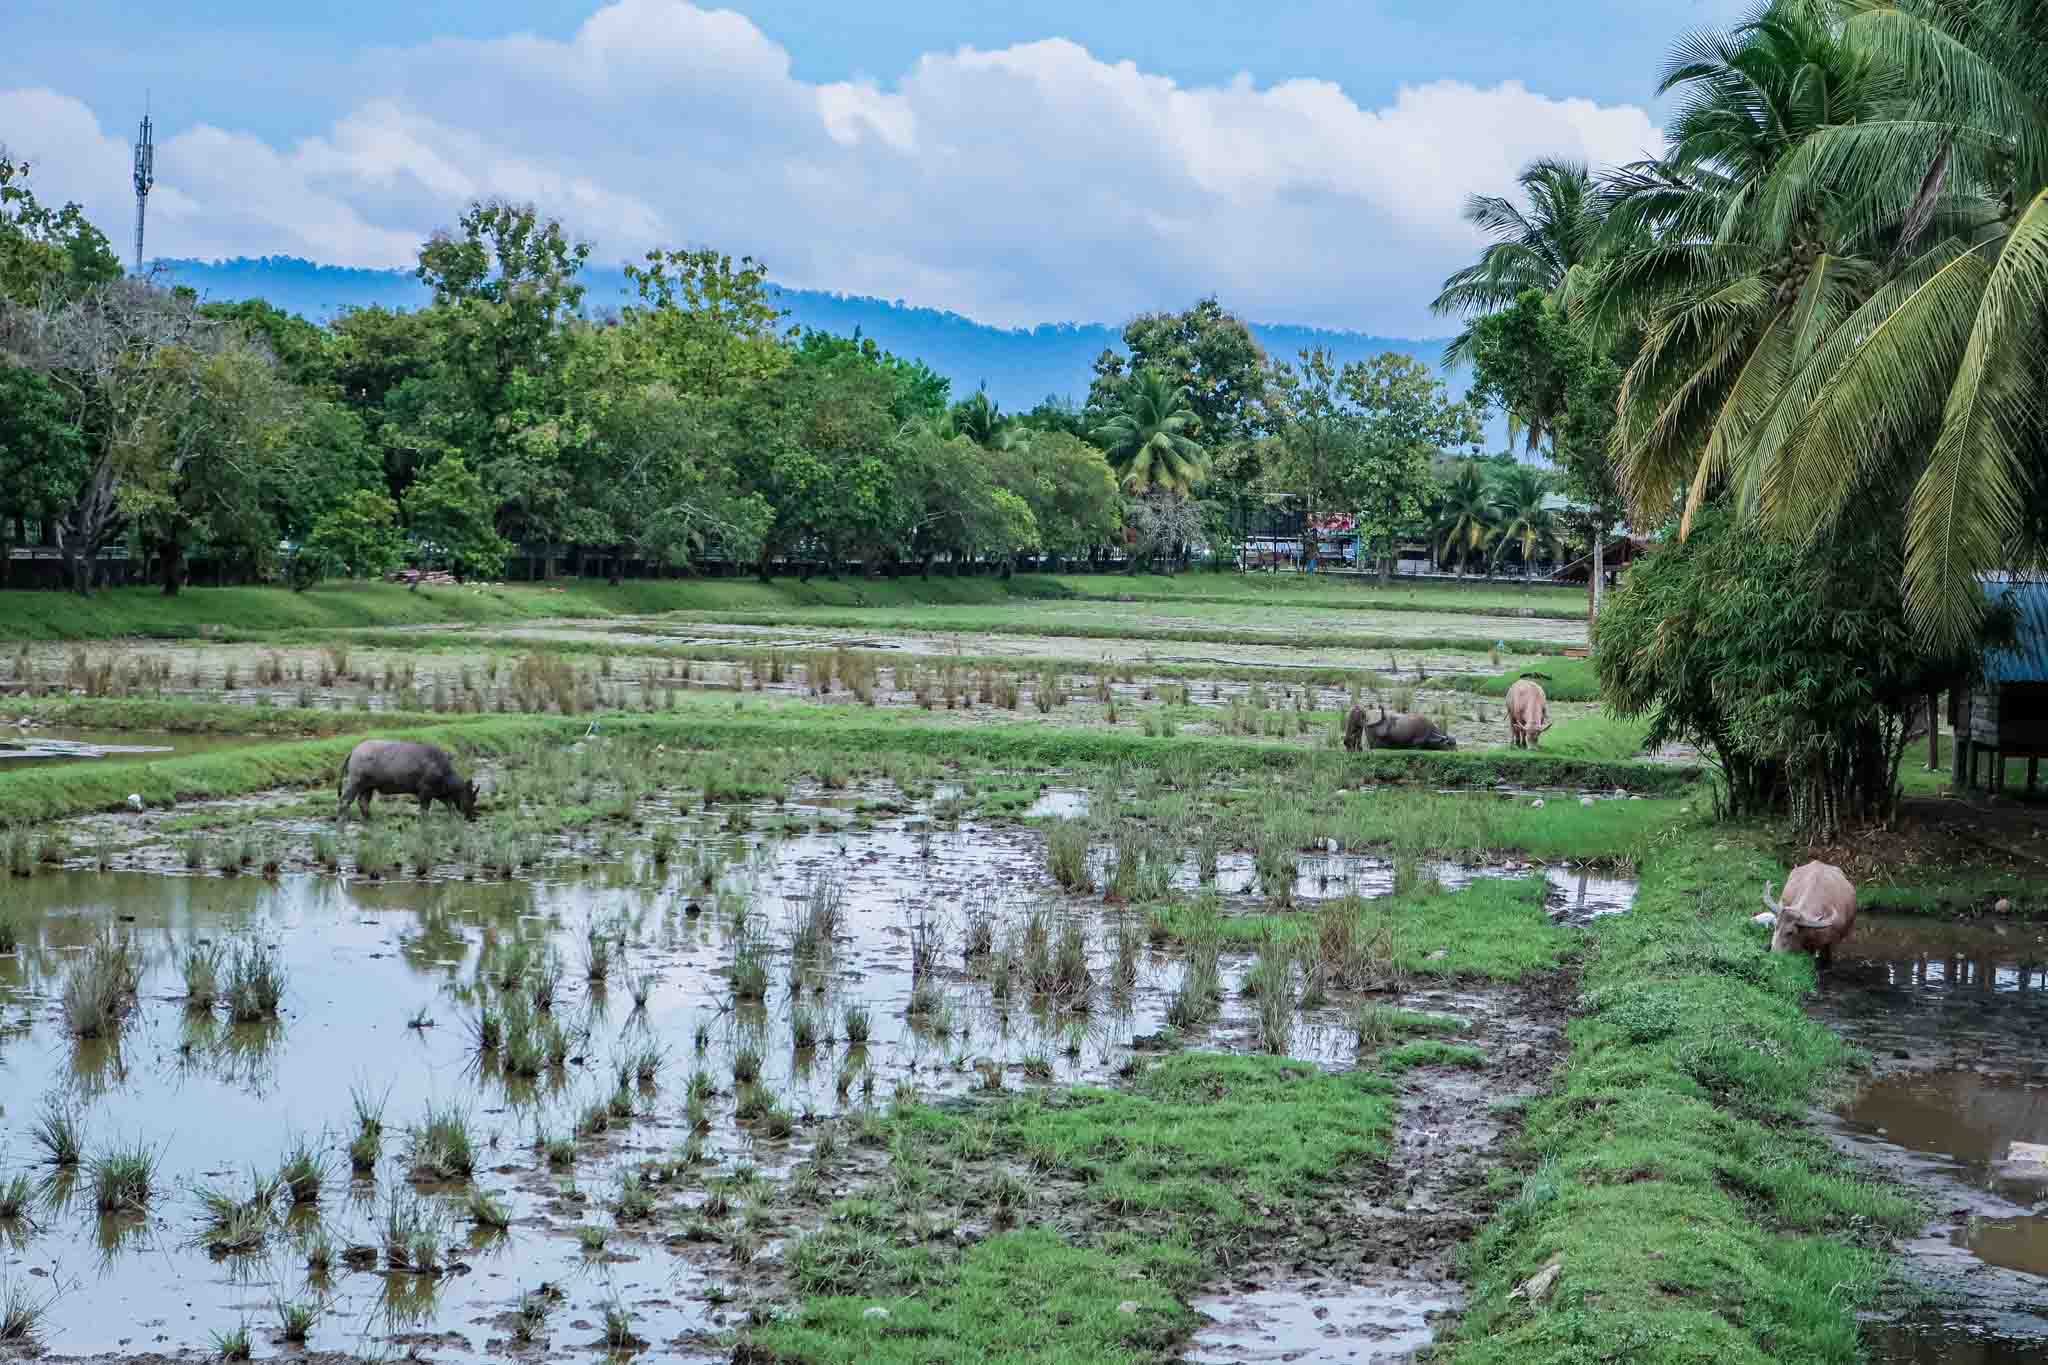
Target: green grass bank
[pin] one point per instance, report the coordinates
(1694, 1217)
(253, 612)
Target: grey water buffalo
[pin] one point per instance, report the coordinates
(1528, 713)
(1393, 732)
(395, 767)
(1817, 912)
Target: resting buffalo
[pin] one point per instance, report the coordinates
(394, 767)
(1528, 713)
(1818, 911)
(1393, 732)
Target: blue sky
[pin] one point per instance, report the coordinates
(1014, 162)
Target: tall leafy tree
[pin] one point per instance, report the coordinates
(1521, 521)
(451, 511)
(1931, 395)
(1465, 518)
(506, 290)
(1733, 300)
(198, 473)
(1208, 354)
(1531, 358)
(43, 454)
(45, 250)
(1149, 439)
(1548, 247)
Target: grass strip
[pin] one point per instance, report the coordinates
(993, 623)
(1492, 929)
(56, 791)
(1025, 746)
(251, 612)
(49, 793)
(1697, 1218)
(1156, 1185)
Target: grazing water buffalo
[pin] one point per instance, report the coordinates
(395, 767)
(1393, 732)
(1528, 713)
(1818, 911)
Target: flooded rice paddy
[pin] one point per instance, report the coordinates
(701, 1040)
(1952, 1016)
(1069, 682)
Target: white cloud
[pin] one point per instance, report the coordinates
(1027, 184)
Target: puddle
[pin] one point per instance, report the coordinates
(1935, 1343)
(1951, 1015)
(1055, 803)
(1384, 1322)
(29, 748)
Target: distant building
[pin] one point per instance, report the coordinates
(2006, 715)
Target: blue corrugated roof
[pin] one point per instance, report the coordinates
(2028, 662)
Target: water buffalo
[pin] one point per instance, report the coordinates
(394, 767)
(1528, 713)
(1393, 732)
(1818, 911)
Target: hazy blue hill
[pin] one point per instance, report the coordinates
(1018, 365)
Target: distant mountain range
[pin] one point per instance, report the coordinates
(1018, 366)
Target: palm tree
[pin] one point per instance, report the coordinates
(1465, 517)
(980, 419)
(1150, 441)
(1548, 247)
(1520, 518)
(1846, 293)
(1939, 391)
(1731, 299)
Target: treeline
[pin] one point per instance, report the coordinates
(1809, 346)
(689, 425)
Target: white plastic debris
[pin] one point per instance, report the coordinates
(1537, 1287)
(1537, 804)
(1764, 918)
(1585, 800)
(2028, 1154)
(876, 1314)
(1128, 1306)
(2003, 907)
(134, 800)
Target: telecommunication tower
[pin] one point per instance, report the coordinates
(145, 177)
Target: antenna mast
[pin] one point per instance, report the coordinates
(145, 177)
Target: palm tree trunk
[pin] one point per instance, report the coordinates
(1599, 575)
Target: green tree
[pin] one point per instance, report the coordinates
(357, 536)
(705, 326)
(197, 474)
(652, 486)
(1148, 439)
(46, 250)
(1930, 394)
(1735, 286)
(380, 360)
(326, 458)
(1530, 359)
(1521, 521)
(43, 456)
(1793, 666)
(1207, 354)
(1407, 419)
(449, 510)
(1465, 518)
(303, 351)
(1548, 247)
(1069, 487)
(980, 419)
(505, 293)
